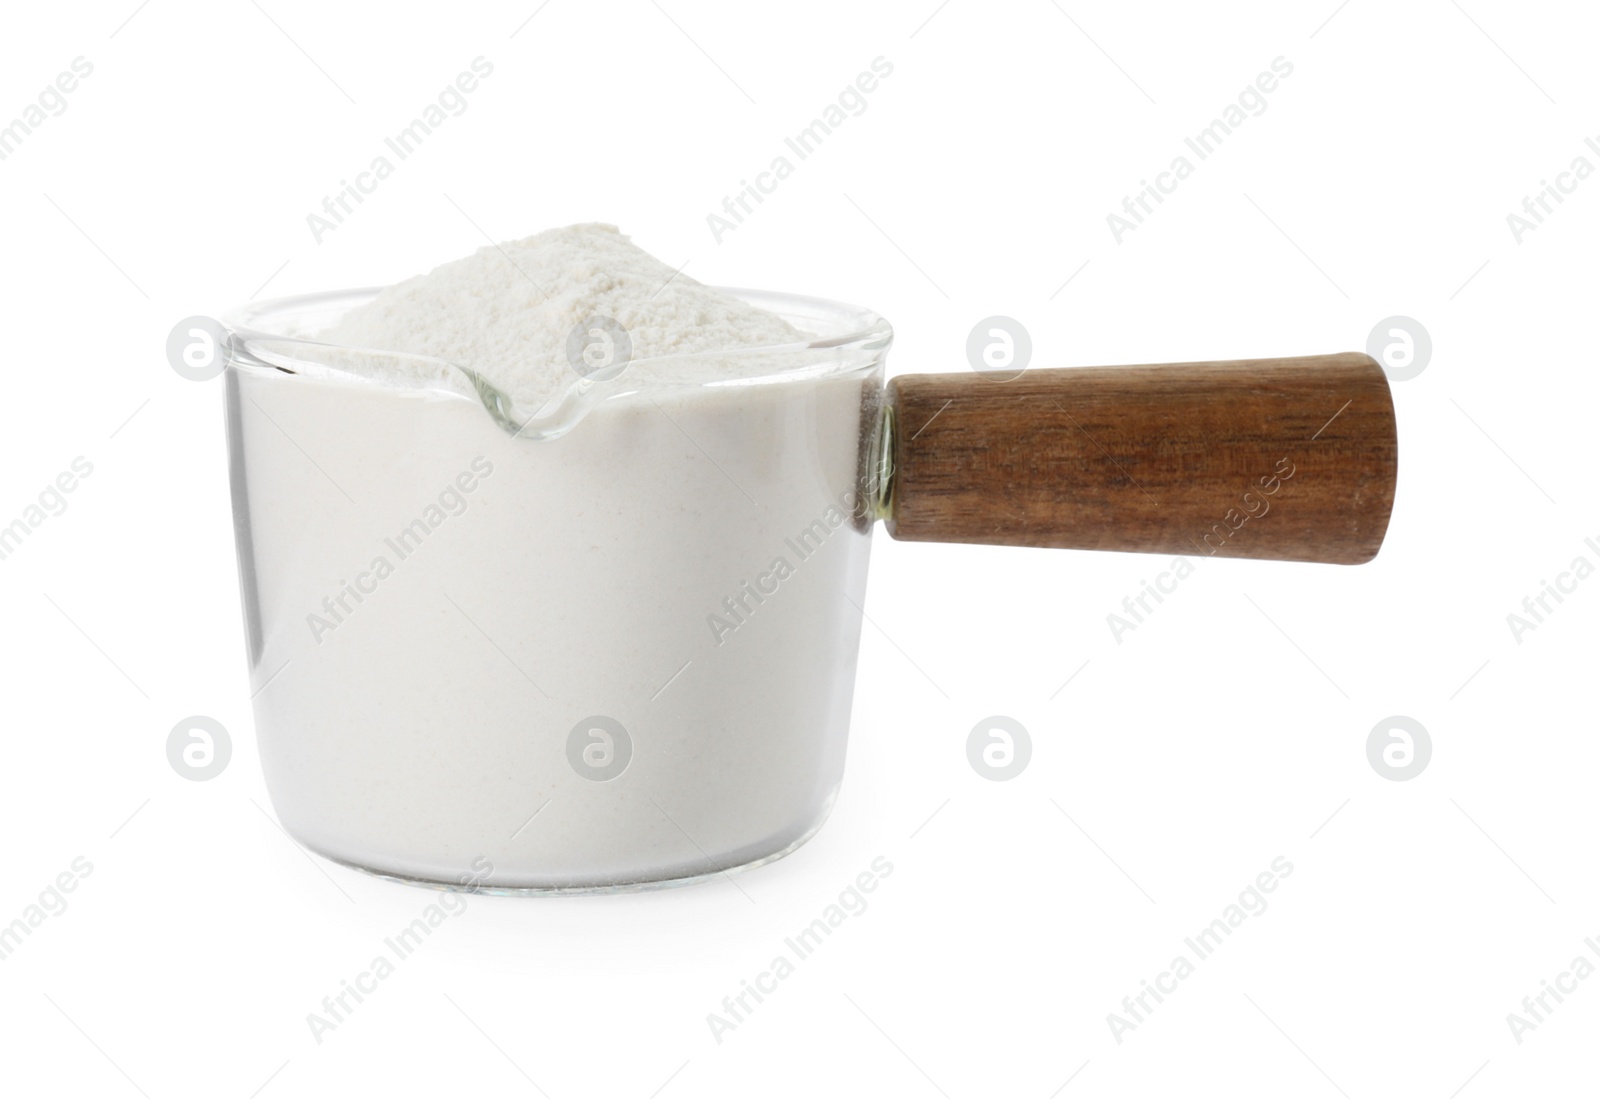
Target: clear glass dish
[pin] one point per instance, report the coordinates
(606, 643)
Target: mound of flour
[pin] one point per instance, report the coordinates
(506, 311)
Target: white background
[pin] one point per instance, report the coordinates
(1173, 768)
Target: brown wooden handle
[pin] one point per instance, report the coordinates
(1292, 459)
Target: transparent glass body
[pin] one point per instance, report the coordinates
(604, 644)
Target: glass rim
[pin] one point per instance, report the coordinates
(252, 331)
(852, 341)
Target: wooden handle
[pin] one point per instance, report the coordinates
(1292, 459)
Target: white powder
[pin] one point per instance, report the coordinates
(507, 311)
(442, 612)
